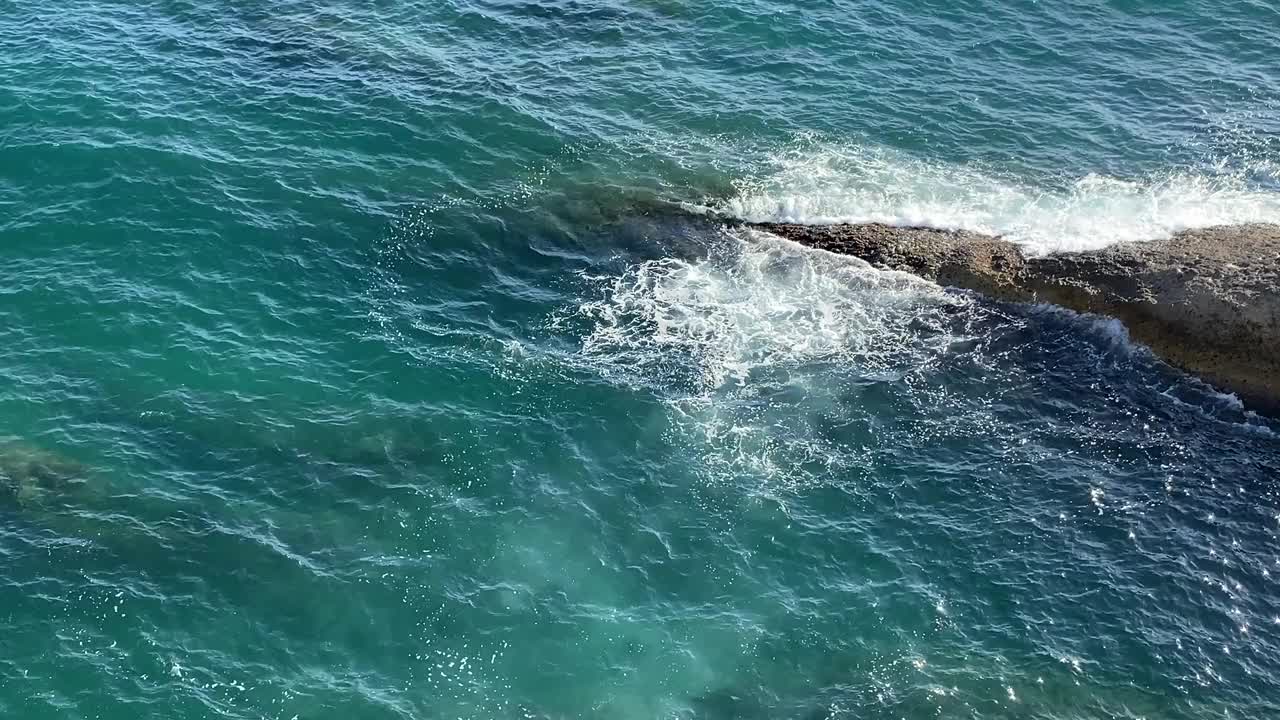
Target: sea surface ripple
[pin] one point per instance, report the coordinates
(390, 360)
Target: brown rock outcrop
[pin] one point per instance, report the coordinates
(1207, 301)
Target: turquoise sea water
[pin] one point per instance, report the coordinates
(390, 360)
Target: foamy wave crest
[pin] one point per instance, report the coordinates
(827, 184)
(755, 304)
(749, 344)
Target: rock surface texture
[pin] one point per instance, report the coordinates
(1207, 301)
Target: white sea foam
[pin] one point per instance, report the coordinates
(751, 342)
(756, 304)
(826, 184)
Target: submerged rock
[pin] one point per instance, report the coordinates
(1207, 301)
(32, 476)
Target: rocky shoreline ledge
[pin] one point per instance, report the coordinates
(1206, 301)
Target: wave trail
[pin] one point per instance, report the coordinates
(829, 184)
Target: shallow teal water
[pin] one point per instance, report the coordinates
(388, 360)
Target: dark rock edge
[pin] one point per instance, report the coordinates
(1207, 301)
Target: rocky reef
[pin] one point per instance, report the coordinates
(30, 476)
(1206, 301)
